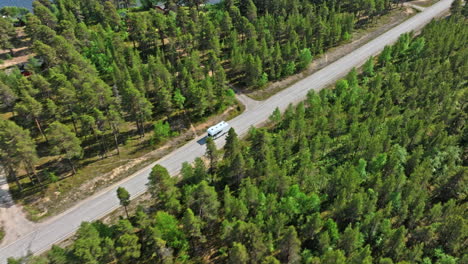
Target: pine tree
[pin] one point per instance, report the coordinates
(45, 15)
(139, 107)
(253, 70)
(87, 246)
(7, 96)
(193, 229)
(30, 109)
(236, 170)
(212, 154)
(232, 147)
(162, 187)
(350, 240)
(203, 201)
(290, 247)
(127, 246)
(7, 34)
(64, 142)
(385, 56)
(275, 117)
(305, 58)
(17, 149)
(251, 11)
(369, 67)
(238, 254)
(124, 198)
(115, 120)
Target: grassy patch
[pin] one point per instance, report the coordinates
(425, 3)
(2, 233)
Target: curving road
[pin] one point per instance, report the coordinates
(64, 225)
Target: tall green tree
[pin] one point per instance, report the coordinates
(127, 245)
(212, 154)
(203, 201)
(232, 147)
(17, 150)
(7, 34)
(290, 247)
(138, 106)
(87, 246)
(31, 110)
(193, 228)
(64, 142)
(162, 187)
(238, 254)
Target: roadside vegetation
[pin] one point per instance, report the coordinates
(108, 78)
(2, 233)
(373, 171)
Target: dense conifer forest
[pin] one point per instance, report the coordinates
(105, 71)
(373, 171)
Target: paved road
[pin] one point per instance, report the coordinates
(64, 225)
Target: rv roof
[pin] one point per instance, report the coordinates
(217, 127)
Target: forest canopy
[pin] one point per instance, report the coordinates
(105, 71)
(373, 171)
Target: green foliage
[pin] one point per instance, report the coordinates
(87, 248)
(124, 197)
(116, 63)
(167, 228)
(275, 117)
(203, 201)
(161, 132)
(456, 7)
(179, 99)
(238, 254)
(212, 154)
(305, 58)
(17, 150)
(289, 68)
(370, 172)
(7, 33)
(193, 227)
(52, 177)
(369, 67)
(64, 142)
(161, 186)
(14, 11)
(126, 245)
(290, 247)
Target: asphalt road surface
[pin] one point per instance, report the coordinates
(95, 207)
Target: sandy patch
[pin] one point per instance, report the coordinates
(12, 217)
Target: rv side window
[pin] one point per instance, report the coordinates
(216, 134)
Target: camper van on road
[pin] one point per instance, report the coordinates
(218, 130)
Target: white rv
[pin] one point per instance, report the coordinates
(218, 130)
